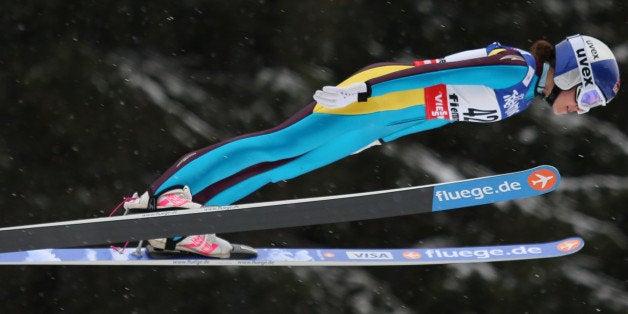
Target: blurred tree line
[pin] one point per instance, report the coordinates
(98, 98)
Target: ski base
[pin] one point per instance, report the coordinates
(304, 256)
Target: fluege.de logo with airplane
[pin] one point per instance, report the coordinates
(528, 183)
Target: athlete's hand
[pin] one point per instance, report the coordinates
(339, 97)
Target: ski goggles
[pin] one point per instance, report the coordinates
(588, 97)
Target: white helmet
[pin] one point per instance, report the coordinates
(588, 63)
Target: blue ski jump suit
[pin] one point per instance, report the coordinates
(481, 85)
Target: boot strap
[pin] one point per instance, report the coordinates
(171, 243)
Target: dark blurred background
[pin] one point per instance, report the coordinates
(98, 98)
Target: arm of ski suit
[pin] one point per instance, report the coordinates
(500, 69)
(497, 71)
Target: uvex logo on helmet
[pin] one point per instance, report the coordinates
(585, 67)
(588, 63)
(592, 49)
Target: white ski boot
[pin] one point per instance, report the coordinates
(207, 244)
(175, 199)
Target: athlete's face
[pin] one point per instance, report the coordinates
(566, 102)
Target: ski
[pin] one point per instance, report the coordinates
(305, 256)
(281, 214)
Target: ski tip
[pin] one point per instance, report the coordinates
(544, 178)
(569, 245)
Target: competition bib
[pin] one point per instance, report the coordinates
(472, 103)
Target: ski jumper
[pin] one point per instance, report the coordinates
(481, 85)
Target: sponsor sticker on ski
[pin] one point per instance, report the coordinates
(498, 188)
(383, 255)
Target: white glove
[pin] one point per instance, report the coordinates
(339, 97)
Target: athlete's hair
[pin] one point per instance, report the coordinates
(543, 51)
